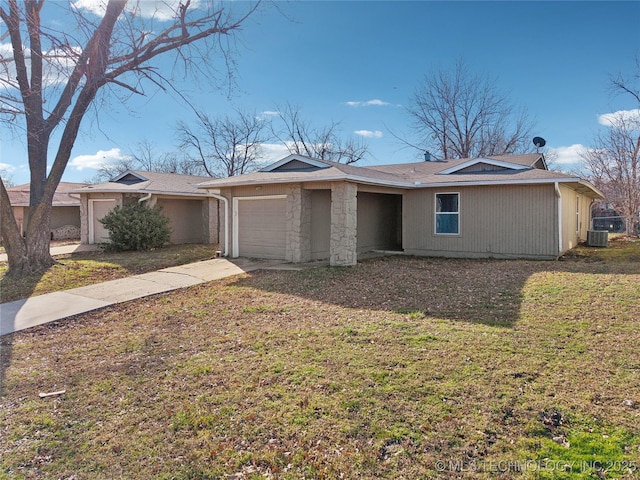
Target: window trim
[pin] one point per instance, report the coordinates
(436, 213)
(578, 213)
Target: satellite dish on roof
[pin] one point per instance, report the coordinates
(539, 142)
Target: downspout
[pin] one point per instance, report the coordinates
(226, 221)
(559, 210)
(145, 198)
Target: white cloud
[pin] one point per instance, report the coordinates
(101, 158)
(369, 133)
(271, 113)
(369, 103)
(625, 116)
(57, 65)
(5, 50)
(570, 155)
(7, 167)
(272, 152)
(158, 9)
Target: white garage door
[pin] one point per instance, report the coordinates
(97, 210)
(261, 227)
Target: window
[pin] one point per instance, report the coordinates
(447, 213)
(577, 213)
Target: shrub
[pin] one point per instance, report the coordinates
(135, 227)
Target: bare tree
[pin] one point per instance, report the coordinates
(145, 157)
(225, 146)
(325, 143)
(109, 171)
(6, 177)
(53, 77)
(614, 158)
(461, 115)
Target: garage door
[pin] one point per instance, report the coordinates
(97, 210)
(261, 227)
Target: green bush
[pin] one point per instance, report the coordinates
(135, 227)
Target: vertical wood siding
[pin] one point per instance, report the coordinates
(495, 221)
(573, 234)
(378, 221)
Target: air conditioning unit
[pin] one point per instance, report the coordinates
(597, 238)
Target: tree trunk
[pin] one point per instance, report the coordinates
(38, 238)
(28, 254)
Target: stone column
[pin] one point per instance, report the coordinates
(344, 224)
(298, 234)
(84, 219)
(210, 220)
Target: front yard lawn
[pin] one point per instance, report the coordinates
(87, 268)
(396, 368)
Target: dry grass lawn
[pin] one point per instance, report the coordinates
(396, 368)
(87, 268)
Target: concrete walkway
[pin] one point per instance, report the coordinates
(21, 314)
(64, 249)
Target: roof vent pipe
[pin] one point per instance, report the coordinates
(427, 156)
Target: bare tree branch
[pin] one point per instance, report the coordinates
(225, 146)
(325, 143)
(55, 68)
(614, 159)
(461, 115)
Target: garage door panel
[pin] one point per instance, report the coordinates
(261, 228)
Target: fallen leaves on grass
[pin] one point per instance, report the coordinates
(395, 368)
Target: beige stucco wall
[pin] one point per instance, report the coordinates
(495, 221)
(21, 215)
(60, 217)
(185, 219)
(320, 224)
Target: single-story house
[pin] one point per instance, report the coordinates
(65, 211)
(192, 212)
(302, 209)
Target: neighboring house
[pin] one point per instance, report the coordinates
(65, 211)
(192, 212)
(301, 209)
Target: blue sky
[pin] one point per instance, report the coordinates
(359, 62)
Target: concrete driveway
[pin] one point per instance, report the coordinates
(21, 314)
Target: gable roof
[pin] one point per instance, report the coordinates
(138, 181)
(19, 195)
(484, 164)
(296, 162)
(511, 169)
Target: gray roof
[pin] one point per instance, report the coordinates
(152, 182)
(19, 195)
(412, 175)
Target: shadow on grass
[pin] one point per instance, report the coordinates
(7, 318)
(479, 291)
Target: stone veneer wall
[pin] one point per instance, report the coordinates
(344, 224)
(298, 215)
(210, 220)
